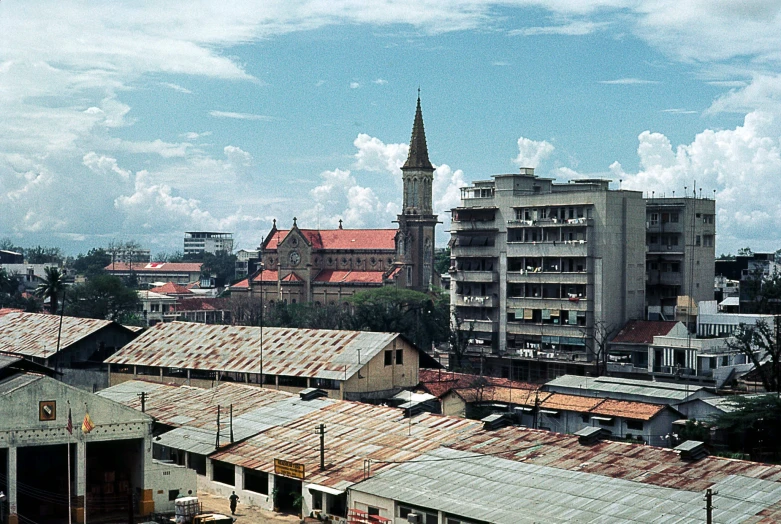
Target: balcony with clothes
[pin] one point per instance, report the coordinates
(562, 270)
(552, 296)
(549, 347)
(550, 322)
(562, 242)
(477, 295)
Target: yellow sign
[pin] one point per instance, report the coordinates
(289, 469)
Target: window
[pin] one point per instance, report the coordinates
(654, 219)
(172, 494)
(674, 217)
(654, 239)
(371, 510)
(256, 481)
(223, 472)
(608, 422)
(399, 357)
(707, 240)
(697, 240)
(389, 358)
(707, 219)
(634, 424)
(196, 462)
(585, 418)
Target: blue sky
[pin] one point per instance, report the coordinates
(125, 120)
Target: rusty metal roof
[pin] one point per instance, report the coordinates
(35, 334)
(354, 432)
(319, 353)
(176, 405)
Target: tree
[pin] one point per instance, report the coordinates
(596, 344)
(745, 252)
(43, 255)
(166, 256)
(442, 260)
(93, 263)
(51, 287)
(758, 342)
(762, 293)
(6, 244)
(11, 297)
(222, 265)
(8, 283)
(753, 425)
(459, 344)
(103, 297)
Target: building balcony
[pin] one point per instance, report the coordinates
(566, 248)
(550, 330)
(581, 304)
(622, 367)
(475, 276)
(473, 251)
(476, 301)
(663, 249)
(479, 326)
(550, 222)
(473, 225)
(518, 277)
(664, 279)
(667, 227)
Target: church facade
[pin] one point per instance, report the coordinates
(326, 266)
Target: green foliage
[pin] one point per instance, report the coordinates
(11, 297)
(93, 263)
(222, 265)
(762, 293)
(173, 257)
(6, 244)
(103, 297)
(694, 430)
(43, 255)
(51, 287)
(754, 426)
(442, 261)
(745, 252)
(756, 342)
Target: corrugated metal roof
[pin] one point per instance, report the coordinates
(625, 386)
(176, 405)
(497, 490)
(35, 334)
(354, 432)
(317, 353)
(438, 381)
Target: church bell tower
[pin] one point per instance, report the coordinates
(417, 221)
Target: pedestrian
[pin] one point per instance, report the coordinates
(234, 500)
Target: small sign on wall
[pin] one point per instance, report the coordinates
(289, 469)
(47, 410)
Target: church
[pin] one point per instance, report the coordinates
(326, 266)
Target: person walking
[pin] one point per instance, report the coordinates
(234, 499)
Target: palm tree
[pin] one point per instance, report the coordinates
(51, 287)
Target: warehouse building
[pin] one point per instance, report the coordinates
(348, 364)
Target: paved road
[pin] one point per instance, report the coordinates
(245, 514)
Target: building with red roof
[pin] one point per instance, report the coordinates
(176, 272)
(326, 266)
(628, 352)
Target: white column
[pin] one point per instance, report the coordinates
(81, 478)
(11, 475)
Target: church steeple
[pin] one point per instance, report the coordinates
(418, 152)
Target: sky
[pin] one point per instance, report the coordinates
(142, 120)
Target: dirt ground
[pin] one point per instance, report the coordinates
(245, 514)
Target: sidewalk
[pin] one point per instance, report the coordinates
(245, 514)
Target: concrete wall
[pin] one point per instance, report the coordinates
(375, 376)
(162, 478)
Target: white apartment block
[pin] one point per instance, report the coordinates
(196, 242)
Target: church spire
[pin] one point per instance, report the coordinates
(418, 152)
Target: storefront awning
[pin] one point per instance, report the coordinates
(325, 489)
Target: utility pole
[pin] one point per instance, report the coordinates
(217, 441)
(143, 396)
(536, 408)
(709, 506)
(231, 422)
(321, 431)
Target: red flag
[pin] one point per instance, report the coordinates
(69, 427)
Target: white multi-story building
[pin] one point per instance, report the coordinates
(196, 242)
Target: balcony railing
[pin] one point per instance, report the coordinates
(475, 301)
(565, 248)
(475, 276)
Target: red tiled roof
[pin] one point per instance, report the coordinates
(368, 277)
(268, 275)
(169, 288)
(6, 310)
(570, 402)
(243, 284)
(439, 382)
(643, 331)
(342, 238)
(292, 277)
(157, 267)
(201, 304)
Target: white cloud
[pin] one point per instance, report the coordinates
(446, 189)
(679, 111)
(192, 135)
(531, 152)
(339, 196)
(578, 28)
(104, 165)
(762, 93)
(380, 82)
(374, 155)
(743, 165)
(177, 87)
(241, 116)
(354, 85)
(628, 81)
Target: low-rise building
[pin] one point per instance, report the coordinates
(714, 323)
(44, 423)
(347, 364)
(628, 351)
(83, 344)
(710, 360)
(157, 307)
(653, 392)
(177, 272)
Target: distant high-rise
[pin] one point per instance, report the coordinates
(198, 242)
